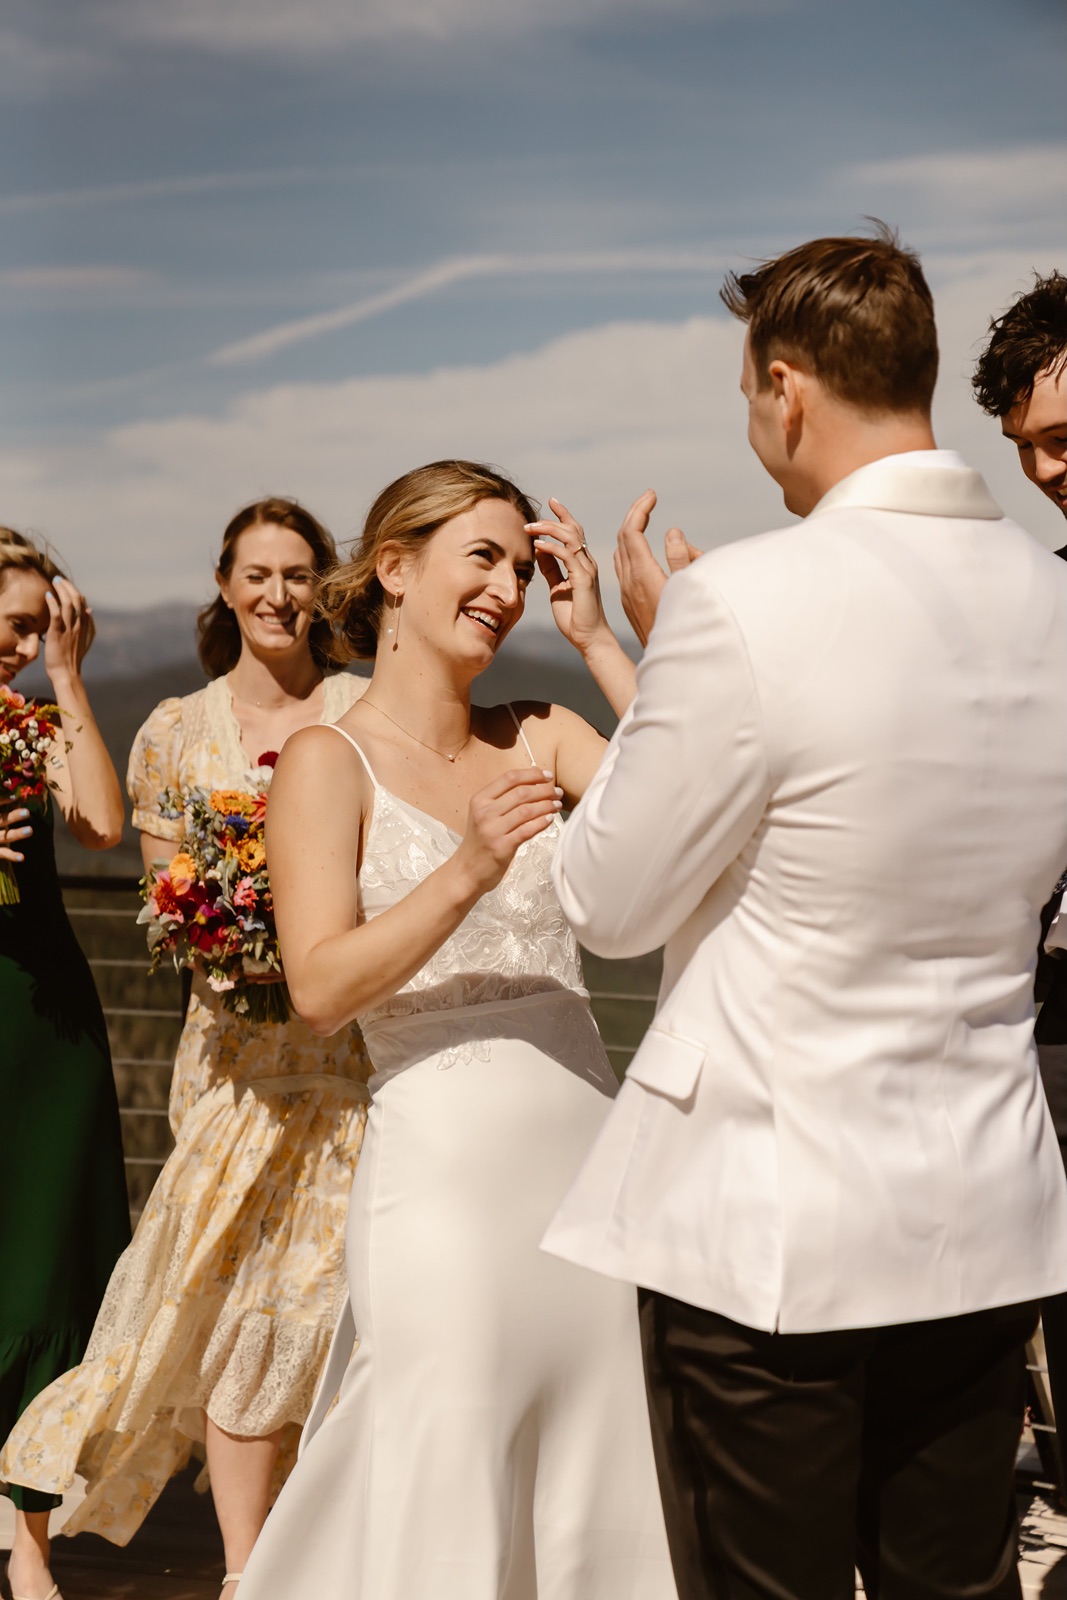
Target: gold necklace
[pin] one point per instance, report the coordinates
(408, 734)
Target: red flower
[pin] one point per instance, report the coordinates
(269, 758)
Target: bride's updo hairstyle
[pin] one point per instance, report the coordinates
(406, 514)
(219, 637)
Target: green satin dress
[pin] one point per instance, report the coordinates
(64, 1217)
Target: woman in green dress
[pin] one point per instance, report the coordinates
(65, 1218)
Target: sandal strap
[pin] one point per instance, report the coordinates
(231, 1577)
(51, 1595)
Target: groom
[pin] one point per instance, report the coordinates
(840, 800)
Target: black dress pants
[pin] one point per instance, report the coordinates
(786, 1460)
(1053, 1062)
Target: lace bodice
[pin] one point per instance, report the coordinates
(514, 942)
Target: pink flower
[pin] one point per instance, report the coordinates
(245, 895)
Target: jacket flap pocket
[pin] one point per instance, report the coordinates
(668, 1064)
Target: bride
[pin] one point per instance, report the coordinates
(490, 1439)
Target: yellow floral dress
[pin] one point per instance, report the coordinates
(227, 1297)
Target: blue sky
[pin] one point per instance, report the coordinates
(250, 246)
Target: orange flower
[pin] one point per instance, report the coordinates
(182, 872)
(232, 802)
(163, 898)
(251, 855)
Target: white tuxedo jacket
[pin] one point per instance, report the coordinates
(840, 798)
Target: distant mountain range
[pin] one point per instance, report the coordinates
(131, 642)
(142, 657)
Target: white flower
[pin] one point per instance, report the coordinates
(256, 969)
(220, 985)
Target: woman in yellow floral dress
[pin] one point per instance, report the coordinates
(218, 1317)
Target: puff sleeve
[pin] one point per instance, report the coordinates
(154, 766)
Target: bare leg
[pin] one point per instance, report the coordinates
(27, 1570)
(240, 1470)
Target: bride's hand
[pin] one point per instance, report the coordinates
(13, 830)
(501, 817)
(577, 608)
(70, 630)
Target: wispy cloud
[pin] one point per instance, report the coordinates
(459, 269)
(173, 188)
(46, 60)
(78, 280)
(1016, 174)
(319, 27)
(975, 196)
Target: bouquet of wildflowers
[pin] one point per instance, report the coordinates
(210, 906)
(29, 733)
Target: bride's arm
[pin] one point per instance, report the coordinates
(319, 797)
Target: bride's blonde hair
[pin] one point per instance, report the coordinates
(405, 514)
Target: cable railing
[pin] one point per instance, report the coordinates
(144, 1014)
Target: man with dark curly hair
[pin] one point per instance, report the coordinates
(1021, 378)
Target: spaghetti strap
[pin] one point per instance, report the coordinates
(511, 710)
(357, 749)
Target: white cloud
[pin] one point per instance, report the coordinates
(460, 269)
(46, 47)
(972, 197)
(320, 27)
(593, 417)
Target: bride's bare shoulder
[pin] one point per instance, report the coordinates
(548, 727)
(324, 758)
(546, 714)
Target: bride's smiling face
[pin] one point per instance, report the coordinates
(467, 589)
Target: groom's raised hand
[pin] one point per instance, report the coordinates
(641, 578)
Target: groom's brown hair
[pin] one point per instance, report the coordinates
(855, 312)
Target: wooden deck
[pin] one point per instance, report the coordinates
(177, 1555)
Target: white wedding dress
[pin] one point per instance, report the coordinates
(490, 1438)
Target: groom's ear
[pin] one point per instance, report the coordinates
(789, 385)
